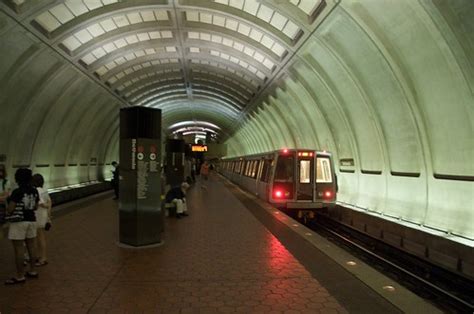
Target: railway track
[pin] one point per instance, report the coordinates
(450, 292)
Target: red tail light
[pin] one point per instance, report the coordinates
(327, 194)
(278, 193)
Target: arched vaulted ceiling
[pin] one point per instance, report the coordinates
(193, 59)
(386, 85)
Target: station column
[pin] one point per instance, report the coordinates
(175, 161)
(140, 215)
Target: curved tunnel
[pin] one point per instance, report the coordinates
(386, 86)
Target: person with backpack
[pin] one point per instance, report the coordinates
(22, 204)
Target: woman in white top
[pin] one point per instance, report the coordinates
(43, 217)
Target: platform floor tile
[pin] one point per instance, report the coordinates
(219, 259)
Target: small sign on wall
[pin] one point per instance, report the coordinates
(346, 165)
(199, 148)
(347, 162)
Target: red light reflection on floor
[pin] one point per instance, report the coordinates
(280, 261)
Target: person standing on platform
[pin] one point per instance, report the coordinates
(188, 170)
(193, 169)
(115, 179)
(5, 190)
(205, 170)
(21, 214)
(43, 219)
(177, 195)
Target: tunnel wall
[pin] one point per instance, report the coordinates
(387, 86)
(53, 118)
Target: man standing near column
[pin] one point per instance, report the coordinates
(115, 179)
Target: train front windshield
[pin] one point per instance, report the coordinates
(323, 170)
(285, 169)
(324, 179)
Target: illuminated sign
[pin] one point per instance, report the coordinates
(199, 148)
(347, 162)
(305, 154)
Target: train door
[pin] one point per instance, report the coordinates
(305, 182)
(284, 177)
(325, 185)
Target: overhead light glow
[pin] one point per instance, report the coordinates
(193, 123)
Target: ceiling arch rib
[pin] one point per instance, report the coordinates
(199, 93)
(159, 101)
(119, 80)
(221, 94)
(211, 42)
(203, 113)
(111, 76)
(214, 55)
(225, 86)
(134, 91)
(227, 62)
(159, 90)
(153, 85)
(221, 74)
(129, 53)
(96, 59)
(136, 77)
(130, 41)
(252, 13)
(113, 24)
(179, 102)
(69, 15)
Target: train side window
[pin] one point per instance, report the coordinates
(254, 168)
(323, 170)
(264, 171)
(284, 169)
(259, 169)
(265, 167)
(268, 172)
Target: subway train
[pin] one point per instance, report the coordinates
(293, 179)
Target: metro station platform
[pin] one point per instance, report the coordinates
(232, 254)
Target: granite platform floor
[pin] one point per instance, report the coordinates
(219, 259)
